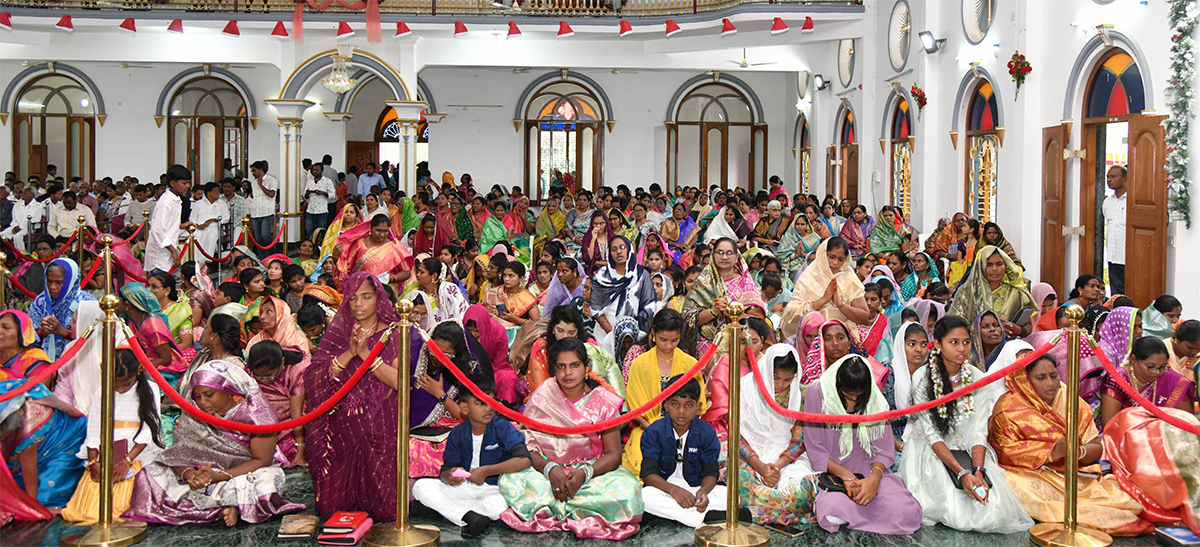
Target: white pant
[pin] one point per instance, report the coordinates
(18, 239)
(661, 504)
(452, 502)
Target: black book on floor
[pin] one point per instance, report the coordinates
(1176, 536)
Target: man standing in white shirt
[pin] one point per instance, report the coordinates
(162, 245)
(317, 192)
(1114, 228)
(263, 188)
(65, 219)
(208, 214)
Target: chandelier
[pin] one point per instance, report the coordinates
(338, 80)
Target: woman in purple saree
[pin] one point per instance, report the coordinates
(211, 473)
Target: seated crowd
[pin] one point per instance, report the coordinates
(581, 313)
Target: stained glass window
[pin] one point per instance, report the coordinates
(1117, 88)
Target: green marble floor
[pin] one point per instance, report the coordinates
(656, 533)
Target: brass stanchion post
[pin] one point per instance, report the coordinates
(191, 243)
(284, 237)
(733, 533)
(1069, 533)
(246, 235)
(104, 533)
(79, 240)
(402, 533)
(145, 217)
(3, 279)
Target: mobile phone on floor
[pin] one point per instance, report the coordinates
(789, 531)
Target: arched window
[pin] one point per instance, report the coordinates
(713, 135)
(564, 141)
(842, 174)
(1116, 89)
(206, 125)
(54, 124)
(804, 147)
(387, 138)
(902, 145)
(983, 150)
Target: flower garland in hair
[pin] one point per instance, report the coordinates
(939, 388)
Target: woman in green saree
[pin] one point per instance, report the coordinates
(797, 243)
(550, 225)
(887, 237)
(994, 284)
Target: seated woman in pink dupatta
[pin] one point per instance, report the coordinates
(857, 231)
(836, 341)
(577, 483)
(1147, 370)
(373, 248)
(727, 279)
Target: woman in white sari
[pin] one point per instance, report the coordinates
(827, 285)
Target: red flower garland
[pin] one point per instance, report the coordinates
(1018, 68)
(918, 95)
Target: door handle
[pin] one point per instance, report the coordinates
(1074, 230)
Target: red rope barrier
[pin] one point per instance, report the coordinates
(559, 430)
(17, 284)
(91, 273)
(987, 379)
(46, 372)
(240, 427)
(270, 245)
(121, 242)
(210, 257)
(136, 277)
(28, 258)
(1138, 398)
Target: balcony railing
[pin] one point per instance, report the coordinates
(532, 8)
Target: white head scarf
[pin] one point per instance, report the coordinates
(766, 431)
(718, 228)
(831, 405)
(902, 379)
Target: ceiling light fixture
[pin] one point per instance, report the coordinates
(931, 43)
(338, 80)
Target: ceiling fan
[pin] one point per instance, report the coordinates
(745, 63)
(127, 65)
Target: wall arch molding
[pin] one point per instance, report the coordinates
(697, 81)
(566, 76)
(307, 74)
(1092, 51)
(182, 79)
(8, 102)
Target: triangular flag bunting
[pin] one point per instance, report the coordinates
(564, 30)
(402, 29)
(672, 28)
(65, 24)
(459, 29)
(176, 26)
(727, 28)
(808, 25)
(626, 29)
(513, 31)
(280, 31)
(128, 25)
(6, 21)
(231, 29)
(344, 30)
(779, 27)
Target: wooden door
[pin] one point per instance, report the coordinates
(849, 185)
(1092, 182)
(1054, 206)
(714, 155)
(360, 153)
(1146, 211)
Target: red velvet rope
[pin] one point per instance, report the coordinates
(46, 372)
(270, 245)
(17, 284)
(136, 277)
(28, 258)
(91, 273)
(987, 379)
(121, 242)
(1138, 398)
(210, 257)
(559, 430)
(240, 427)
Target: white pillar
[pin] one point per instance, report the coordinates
(290, 173)
(408, 114)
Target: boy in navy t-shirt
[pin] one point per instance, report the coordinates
(679, 462)
(486, 445)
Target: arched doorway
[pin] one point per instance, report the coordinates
(982, 152)
(714, 133)
(843, 182)
(902, 140)
(803, 152)
(387, 143)
(54, 123)
(207, 122)
(563, 136)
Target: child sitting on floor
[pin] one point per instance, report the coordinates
(679, 462)
(485, 445)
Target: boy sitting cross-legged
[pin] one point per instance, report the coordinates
(485, 445)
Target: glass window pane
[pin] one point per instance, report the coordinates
(208, 153)
(180, 144)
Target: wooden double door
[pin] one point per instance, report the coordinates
(841, 176)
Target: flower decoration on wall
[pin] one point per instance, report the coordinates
(919, 96)
(1018, 68)
(1184, 16)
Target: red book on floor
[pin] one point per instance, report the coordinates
(345, 528)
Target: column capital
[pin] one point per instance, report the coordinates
(338, 116)
(408, 111)
(290, 109)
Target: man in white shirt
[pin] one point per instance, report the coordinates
(25, 212)
(65, 220)
(263, 188)
(53, 199)
(318, 190)
(208, 214)
(1114, 228)
(162, 244)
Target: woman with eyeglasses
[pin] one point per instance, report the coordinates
(1147, 370)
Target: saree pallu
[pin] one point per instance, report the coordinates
(707, 288)
(1156, 464)
(607, 507)
(770, 230)
(548, 227)
(885, 238)
(645, 383)
(688, 230)
(790, 252)
(577, 225)
(603, 369)
(57, 429)
(378, 260)
(84, 507)
(793, 505)
(856, 236)
(153, 332)
(1169, 391)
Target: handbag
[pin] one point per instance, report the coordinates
(964, 460)
(833, 483)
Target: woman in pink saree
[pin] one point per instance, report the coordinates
(378, 253)
(576, 483)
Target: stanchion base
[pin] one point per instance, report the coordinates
(385, 534)
(116, 535)
(1048, 534)
(745, 535)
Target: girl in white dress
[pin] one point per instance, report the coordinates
(929, 467)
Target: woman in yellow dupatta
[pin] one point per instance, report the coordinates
(1028, 430)
(373, 248)
(550, 225)
(829, 286)
(476, 280)
(649, 374)
(994, 284)
(348, 218)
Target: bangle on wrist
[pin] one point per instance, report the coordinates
(962, 474)
(548, 468)
(978, 470)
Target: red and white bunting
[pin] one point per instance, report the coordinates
(565, 30)
(231, 29)
(672, 28)
(513, 31)
(808, 25)
(6, 21)
(727, 28)
(176, 26)
(344, 30)
(128, 25)
(460, 29)
(626, 29)
(280, 31)
(65, 24)
(402, 29)
(779, 27)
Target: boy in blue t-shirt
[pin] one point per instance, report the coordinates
(679, 462)
(486, 445)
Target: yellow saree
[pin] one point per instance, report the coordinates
(644, 384)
